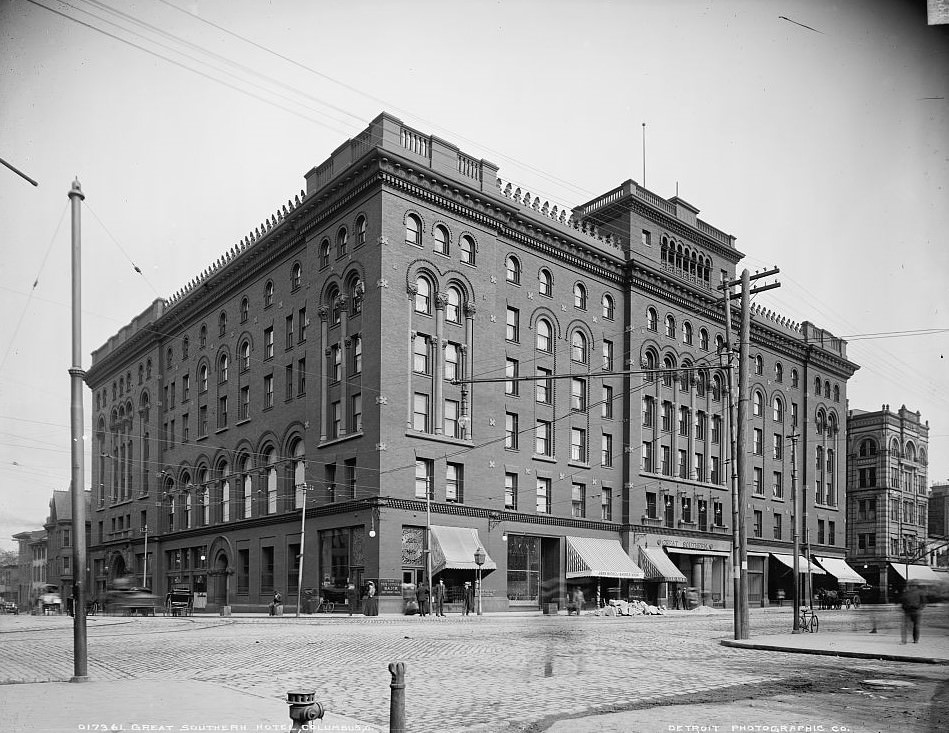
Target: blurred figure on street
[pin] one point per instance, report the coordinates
(277, 601)
(913, 601)
(468, 598)
(577, 601)
(352, 598)
(440, 594)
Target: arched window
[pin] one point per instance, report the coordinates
(296, 275)
(356, 292)
(652, 319)
(910, 452)
(453, 306)
(703, 339)
(245, 356)
(423, 296)
(268, 294)
(222, 324)
(650, 364)
(777, 409)
(836, 393)
(685, 376)
(203, 378)
(361, 230)
(895, 448)
(827, 390)
(609, 309)
(720, 343)
(544, 336)
(141, 376)
(333, 305)
(222, 369)
(832, 424)
(298, 466)
(545, 282)
(668, 371)
(324, 253)
(868, 448)
(670, 327)
(687, 333)
(467, 246)
(580, 296)
(578, 347)
(224, 473)
(512, 269)
(413, 230)
(205, 494)
(270, 462)
(759, 365)
(817, 386)
(247, 487)
(441, 240)
(820, 422)
(778, 372)
(342, 240)
(758, 403)
(795, 379)
(717, 387)
(701, 380)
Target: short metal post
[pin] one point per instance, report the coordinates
(397, 701)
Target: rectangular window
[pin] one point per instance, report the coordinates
(701, 424)
(454, 482)
(268, 343)
(357, 354)
(607, 355)
(510, 491)
(301, 377)
(651, 510)
(758, 523)
(244, 409)
(268, 391)
(715, 475)
(757, 481)
(185, 388)
(543, 386)
(243, 571)
(222, 412)
(648, 463)
(203, 420)
(666, 460)
(606, 504)
(831, 533)
(543, 445)
(543, 496)
(266, 569)
(451, 426)
(758, 442)
(355, 412)
(451, 361)
(794, 414)
(716, 429)
(777, 446)
(301, 325)
(336, 412)
(510, 430)
(669, 511)
(649, 412)
(684, 421)
(820, 531)
(512, 331)
(424, 474)
(683, 463)
(420, 359)
(777, 526)
(578, 445)
(288, 382)
(719, 510)
(703, 515)
(578, 500)
(606, 450)
(687, 509)
(777, 485)
(667, 416)
(337, 356)
(699, 467)
(185, 430)
(420, 413)
(289, 332)
(350, 466)
(293, 567)
(607, 402)
(330, 481)
(511, 373)
(578, 394)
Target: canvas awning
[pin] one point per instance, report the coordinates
(840, 570)
(454, 548)
(694, 551)
(803, 565)
(589, 557)
(922, 573)
(657, 566)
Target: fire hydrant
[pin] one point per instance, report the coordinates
(303, 709)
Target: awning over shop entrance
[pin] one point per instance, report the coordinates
(923, 573)
(694, 551)
(802, 564)
(454, 548)
(588, 557)
(840, 570)
(657, 566)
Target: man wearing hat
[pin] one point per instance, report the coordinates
(468, 597)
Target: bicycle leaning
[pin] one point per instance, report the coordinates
(809, 621)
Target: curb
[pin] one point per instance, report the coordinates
(836, 653)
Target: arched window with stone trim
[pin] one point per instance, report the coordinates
(777, 409)
(270, 469)
(467, 246)
(423, 295)
(512, 270)
(413, 230)
(579, 296)
(224, 479)
(545, 338)
(670, 326)
(298, 467)
(545, 282)
(454, 305)
(441, 240)
(652, 319)
(361, 230)
(579, 348)
(342, 242)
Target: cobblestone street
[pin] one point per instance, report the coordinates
(494, 673)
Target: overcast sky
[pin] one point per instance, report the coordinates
(823, 149)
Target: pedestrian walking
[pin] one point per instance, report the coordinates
(441, 593)
(277, 602)
(468, 598)
(577, 601)
(913, 602)
(422, 596)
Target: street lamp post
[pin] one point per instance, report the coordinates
(479, 558)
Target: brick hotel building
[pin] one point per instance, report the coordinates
(318, 363)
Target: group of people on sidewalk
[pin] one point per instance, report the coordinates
(439, 595)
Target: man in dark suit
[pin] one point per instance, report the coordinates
(422, 596)
(441, 593)
(468, 598)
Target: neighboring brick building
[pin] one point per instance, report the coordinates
(31, 559)
(887, 497)
(60, 543)
(939, 510)
(318, 361)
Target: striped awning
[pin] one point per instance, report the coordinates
(803, 565)
(454, 548)
(589, 557)
(840, 570)
(657, 566)
(923, 573)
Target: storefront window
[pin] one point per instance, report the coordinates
(523, 570)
